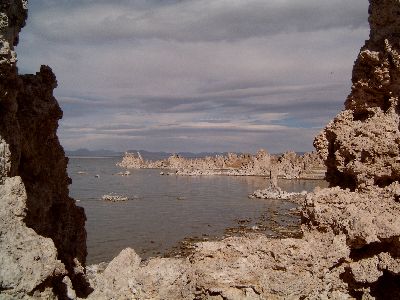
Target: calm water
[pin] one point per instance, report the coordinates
(163, 210)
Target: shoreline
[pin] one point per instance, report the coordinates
(245, 227)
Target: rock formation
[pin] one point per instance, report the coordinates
(42, 236)
(361, 145)
(288, 165)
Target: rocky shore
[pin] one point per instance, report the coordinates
(288, 165)
(350, 241)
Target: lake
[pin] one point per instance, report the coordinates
(163, 210)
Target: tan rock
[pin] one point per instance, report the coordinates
(360, 146)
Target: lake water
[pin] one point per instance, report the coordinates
(163, 210)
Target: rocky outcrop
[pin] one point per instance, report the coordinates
(288, 165)
(361, 145)
(42, 237)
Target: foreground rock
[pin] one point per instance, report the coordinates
(42, 236)
(288, 165)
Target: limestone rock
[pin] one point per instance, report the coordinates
(361, 145)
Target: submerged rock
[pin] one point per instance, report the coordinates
(114, 198)
(126, 173)
(274, 192)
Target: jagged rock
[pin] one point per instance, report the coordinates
(27, 259)
(366, 217)
(9, 83)
(43, 247)
(126, 278)
(288, 165)
(361, 145)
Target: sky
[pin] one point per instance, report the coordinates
(195, 75)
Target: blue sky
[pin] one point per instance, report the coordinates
(195, 75)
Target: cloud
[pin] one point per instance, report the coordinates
(195, 75)
(205, 20)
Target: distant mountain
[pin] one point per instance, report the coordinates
(93, 153)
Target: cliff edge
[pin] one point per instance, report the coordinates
(42, 236)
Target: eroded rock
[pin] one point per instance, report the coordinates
(43, 239)
(361, 145)
(288, 165)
